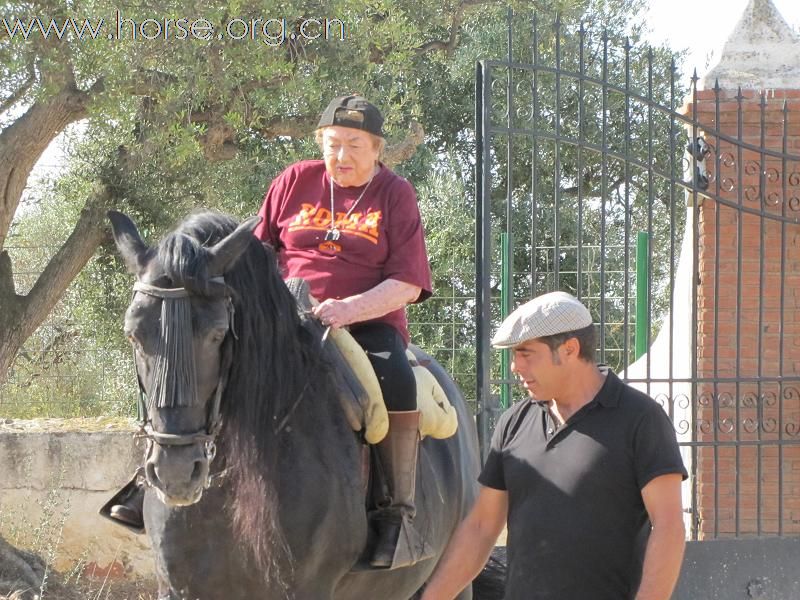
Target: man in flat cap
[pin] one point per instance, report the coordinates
(586, 474)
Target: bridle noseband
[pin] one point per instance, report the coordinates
(214, 421)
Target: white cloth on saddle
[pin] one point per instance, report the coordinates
(438, 418)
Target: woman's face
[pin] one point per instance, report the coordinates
(350, 155)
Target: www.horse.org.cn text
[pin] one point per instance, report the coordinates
(269, 31)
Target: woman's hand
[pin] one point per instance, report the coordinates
(385, 297)
(335, 313)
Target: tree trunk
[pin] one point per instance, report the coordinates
(21, 145)
(21, 315)
(23, 142)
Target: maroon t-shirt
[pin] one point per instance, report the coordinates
(381, 239)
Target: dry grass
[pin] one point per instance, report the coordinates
(89, 424)
(89, 590)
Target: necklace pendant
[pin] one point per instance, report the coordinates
(332, 234)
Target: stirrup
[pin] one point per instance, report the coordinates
(409, 548)
(110, 510)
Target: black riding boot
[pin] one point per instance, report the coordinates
(399, 545)
(126, 506)
(130, 512)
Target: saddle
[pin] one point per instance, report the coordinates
(362, 400)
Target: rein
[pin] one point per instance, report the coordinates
(287, 415)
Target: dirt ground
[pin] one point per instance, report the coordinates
(118, 590)
(94, 590)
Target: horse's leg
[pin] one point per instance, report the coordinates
(164, 593)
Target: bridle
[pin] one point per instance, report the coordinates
(208, 434)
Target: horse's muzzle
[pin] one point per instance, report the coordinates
(178, 474)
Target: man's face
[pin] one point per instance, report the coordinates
(350, 155)
(542, 372)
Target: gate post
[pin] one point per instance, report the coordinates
(748, 284)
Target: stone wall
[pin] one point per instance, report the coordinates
(54, 476)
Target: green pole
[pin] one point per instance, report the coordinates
(642, 291)
(506, 298)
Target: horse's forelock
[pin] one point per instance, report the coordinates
(183, 254)
(174, 373)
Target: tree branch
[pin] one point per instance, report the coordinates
(588, 186)
(23, 142)
(219, 141)
(148, 82)
(287, 126)
(68, 260)
(456, 20)
(8, 294)
(260, 84)
(405, 149)
(19, 92)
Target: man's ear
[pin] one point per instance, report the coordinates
(572, 347)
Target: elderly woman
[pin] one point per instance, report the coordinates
(351, 227)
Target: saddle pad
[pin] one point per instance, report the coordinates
(376, 419)
(438, 418)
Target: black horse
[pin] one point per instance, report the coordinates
(227, 367)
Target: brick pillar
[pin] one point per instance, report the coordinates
(749, 315)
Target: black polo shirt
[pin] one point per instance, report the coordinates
(577, 526)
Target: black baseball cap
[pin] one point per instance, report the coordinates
(353, 111)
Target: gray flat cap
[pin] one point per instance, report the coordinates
(548, 314)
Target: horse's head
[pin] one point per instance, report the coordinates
(180, 325)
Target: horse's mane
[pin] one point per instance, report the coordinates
(271, 353)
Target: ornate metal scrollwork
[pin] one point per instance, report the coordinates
(524, 110)
(791, 396)
(725, 424)
(771, 413)
(705, 402)
(683, 425)
(757, 181)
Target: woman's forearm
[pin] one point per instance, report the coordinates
(387, 296)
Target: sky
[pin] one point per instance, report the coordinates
(702, 26)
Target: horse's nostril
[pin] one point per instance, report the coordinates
(197, 471)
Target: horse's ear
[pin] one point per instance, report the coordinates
(128, 241)
(225, 253)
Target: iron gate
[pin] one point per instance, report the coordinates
(677, 223)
